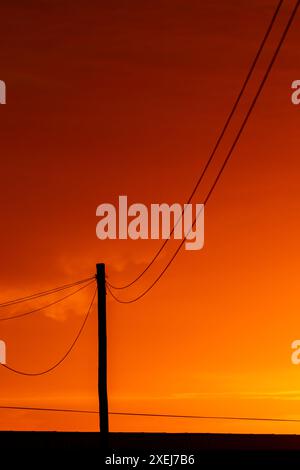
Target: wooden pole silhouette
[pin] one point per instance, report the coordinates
(102, 349)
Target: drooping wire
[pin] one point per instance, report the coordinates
(219, 140)
(236, 140)
(44, 307)
(44, 293)
(34, 374)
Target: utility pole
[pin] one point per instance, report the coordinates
(102, 350)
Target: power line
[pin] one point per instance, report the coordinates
(44, 293)
(236, 140)
(239, 418)
(219, 140)
(31, 408)
(65, 355)
(44, 307)
(152, 415)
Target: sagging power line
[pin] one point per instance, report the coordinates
(109, 286)
(217, 145)
(219, 174)
(102, 347)
(58, 363)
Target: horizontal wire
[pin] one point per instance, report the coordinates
(31, 408)
(155, 415)
(240, 418)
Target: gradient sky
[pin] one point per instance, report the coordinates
(112, 97)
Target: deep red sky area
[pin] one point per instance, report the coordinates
(110, 98)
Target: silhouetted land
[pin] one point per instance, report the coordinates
(207, 448)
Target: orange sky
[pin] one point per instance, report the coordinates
(110, 99)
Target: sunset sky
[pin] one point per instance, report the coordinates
(128, 98)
